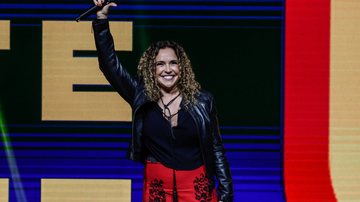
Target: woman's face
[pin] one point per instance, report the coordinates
(167, 69)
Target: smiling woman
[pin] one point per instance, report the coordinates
(166, 69)
(168, 78)
(175, 125)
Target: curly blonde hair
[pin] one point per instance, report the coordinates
(187, 84)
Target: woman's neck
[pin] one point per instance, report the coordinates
(169, 94)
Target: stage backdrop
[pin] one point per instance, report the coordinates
(64, 129)
(288, 101)
(322, 123)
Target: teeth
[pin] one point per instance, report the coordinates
(168, 77)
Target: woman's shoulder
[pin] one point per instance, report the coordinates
(205, 96)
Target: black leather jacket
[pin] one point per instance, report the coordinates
(204, 113)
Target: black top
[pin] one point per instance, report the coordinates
(175, 147)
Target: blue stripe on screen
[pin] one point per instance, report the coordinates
(144, 7)
(115, 16)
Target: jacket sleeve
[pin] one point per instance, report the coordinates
(222, 169)
(109, 64)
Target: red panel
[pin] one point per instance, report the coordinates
(307, 60)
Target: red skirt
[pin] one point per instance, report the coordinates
(190, 185)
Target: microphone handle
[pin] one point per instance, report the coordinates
(90, 11)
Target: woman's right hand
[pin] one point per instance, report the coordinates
(104, 12)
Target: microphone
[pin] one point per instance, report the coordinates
(91, 10)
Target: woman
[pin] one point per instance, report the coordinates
(175, 128)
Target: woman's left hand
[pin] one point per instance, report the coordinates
(104, 12)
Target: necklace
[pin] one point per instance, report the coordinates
(166, 112)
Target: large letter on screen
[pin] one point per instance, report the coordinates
(62, 71)
(4, 35)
